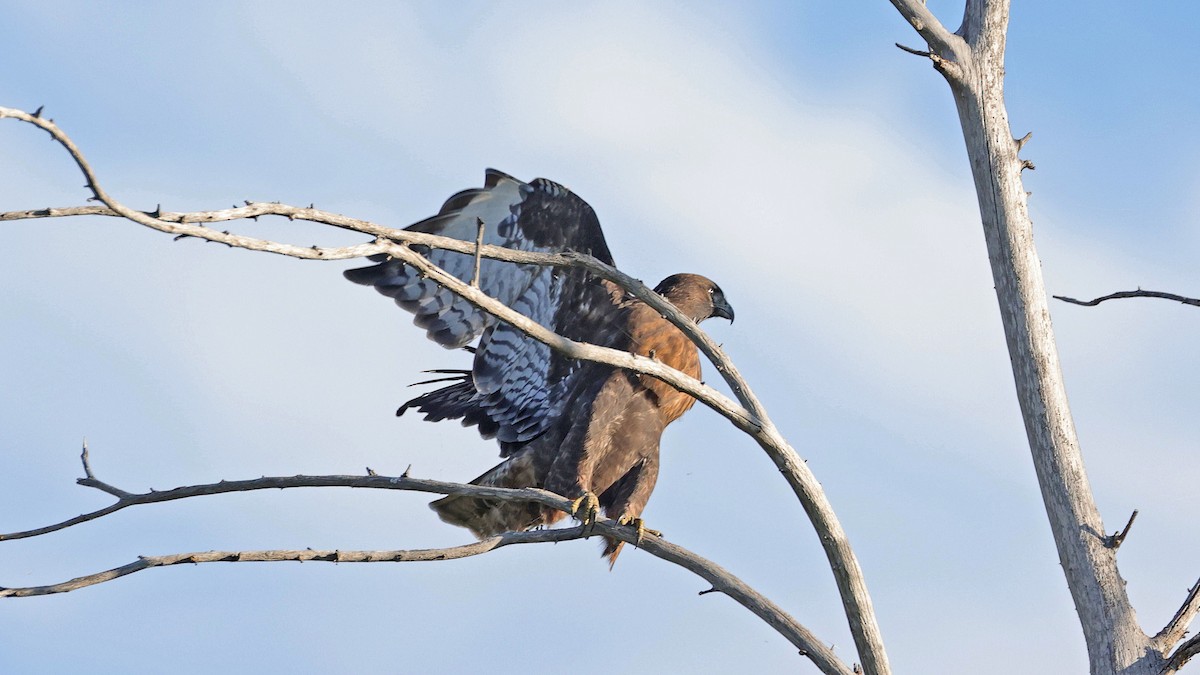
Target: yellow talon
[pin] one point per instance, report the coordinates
(641, 528)
(585, 509)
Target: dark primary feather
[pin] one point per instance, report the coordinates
(519, 382)
(567, 426)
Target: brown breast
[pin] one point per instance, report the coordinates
(655, 337)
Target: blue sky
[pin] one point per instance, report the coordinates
(787, 150)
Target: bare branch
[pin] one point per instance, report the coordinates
(751, 418)
(1139, 293)
(90, 480)
(478, 245)
(1177, 627)
(947, 51)
(87, 465)
(1186, 651)
(910, 50)
(305, 555)
(926, 24)
(567, 259)
(372, 481)
(720, 579)
(1118, 538)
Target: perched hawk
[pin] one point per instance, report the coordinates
(580, 429)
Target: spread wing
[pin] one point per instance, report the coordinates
(517, 386)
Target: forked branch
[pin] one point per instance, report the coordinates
(750, 416)
(1177, 628)
(1186, 652)
(719, 579)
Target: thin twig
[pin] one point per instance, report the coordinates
(910, 50)
(478, 246)
(1139, 293)
(87, 466)
(1118, 538)
(89, 479)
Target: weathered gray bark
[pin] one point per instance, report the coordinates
(972, 61)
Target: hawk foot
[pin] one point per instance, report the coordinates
(640, 525)
(585, 509)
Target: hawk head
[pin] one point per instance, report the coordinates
(696, 296)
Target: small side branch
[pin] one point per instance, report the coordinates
(1177, 627)
(89, 479)
(910, 50)
(943, 65)
(1185, 653)
(1118, 538)
(1139, 293)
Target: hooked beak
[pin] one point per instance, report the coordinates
(723, 309)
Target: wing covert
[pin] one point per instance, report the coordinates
(520, 385)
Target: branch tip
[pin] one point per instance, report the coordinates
(87, 465)
(917, 52)
(1114, 542)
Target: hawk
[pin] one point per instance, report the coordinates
(584, 430)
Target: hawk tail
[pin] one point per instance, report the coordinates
(489, 517)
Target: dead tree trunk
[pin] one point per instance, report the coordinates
(972, 61)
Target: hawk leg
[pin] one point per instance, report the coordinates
(585, 509)
(640, 525)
